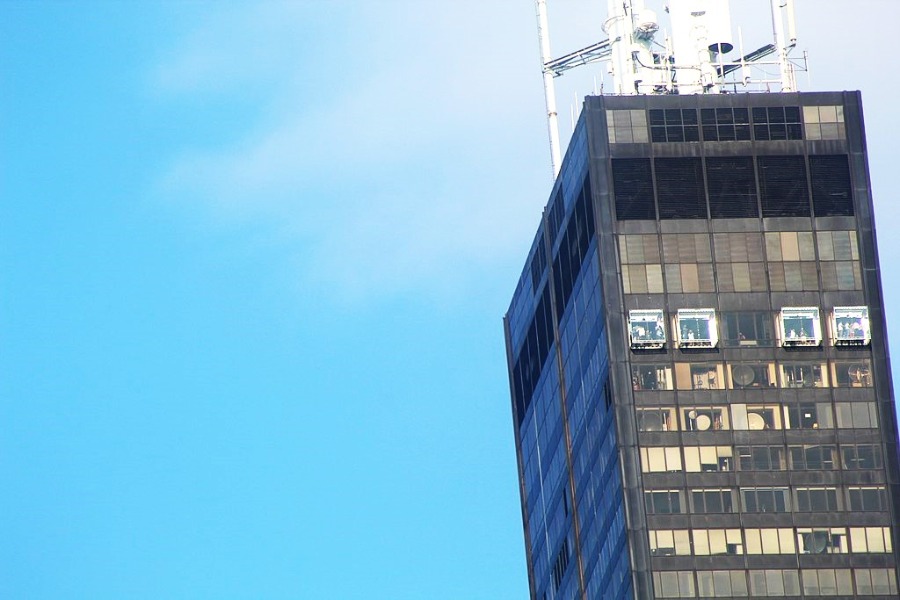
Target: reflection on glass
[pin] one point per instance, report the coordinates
(755, 417)
(850, 326)
(871, 539)
(713, 542)
(707, 501)
(766, 500)
(869, 498)
(708, 459)
(651, 377)
(809, 415)
(859, 415)
(852, 373)
(674, 584)
(822, 540)
(816, 499)
(704, 418)
(748, 329)
(812, 457)
(697, 328)
(703, 377)
(656, 419)
(663, 502)
(800, 327)
(661, 460)
(770, 541)
(803, 375)
(862, 456)
(749, 376)
(699, 376)
(647, 329)
(760, 458)
(669, 543)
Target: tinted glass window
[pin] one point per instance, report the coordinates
(633, 188)
(783, 187)
(732, 187)
(831, 188)
(680, 187)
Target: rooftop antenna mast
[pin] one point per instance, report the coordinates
(690, 61)
(549, 89)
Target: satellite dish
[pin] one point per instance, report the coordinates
(815, 542)
(858, 373)
(703, 422)
(756, 421)
(743, 375)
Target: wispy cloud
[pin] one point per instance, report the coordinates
(398, 166)
(237, 45)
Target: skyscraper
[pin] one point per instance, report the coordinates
(698, 361)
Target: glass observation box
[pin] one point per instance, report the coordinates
(696, 328)
(850, 326)
(800, 326)
(647, 329)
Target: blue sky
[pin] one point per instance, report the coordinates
(253, 262)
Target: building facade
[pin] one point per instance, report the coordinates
(698, 362)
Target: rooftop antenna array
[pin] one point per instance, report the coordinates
(694, 58)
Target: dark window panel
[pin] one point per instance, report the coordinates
(776, 123)
(732, 187)
(663, 502)
(561, 564)
(719, 124)
(538, 264)
(783, 186)
(812, 457)
(777, 131)
(573, 249)
(675, 133)
(674, 125)
(534, 351)
(673, 116)
(679, 183)
(556, 216)
(863, 456)
(726, 133)
(776, 114)
(831, 188)
(633, 188)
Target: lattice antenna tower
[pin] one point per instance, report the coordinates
(694, 58)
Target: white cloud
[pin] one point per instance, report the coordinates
(237, 45)
(402, 170)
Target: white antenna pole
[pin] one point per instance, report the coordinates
(614, 28)
(549, 90)
(792, 23)
(745, 72)
(787, 84)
